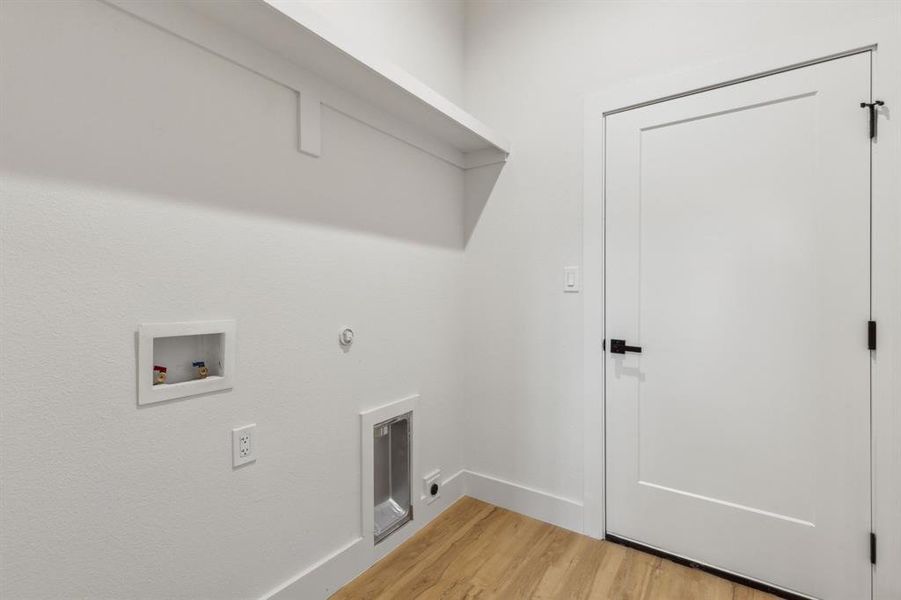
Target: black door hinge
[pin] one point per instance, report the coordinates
(873, 114)
(872, 548)
(871, 335)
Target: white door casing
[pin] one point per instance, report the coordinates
(737, 256)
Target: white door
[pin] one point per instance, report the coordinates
(738, 260)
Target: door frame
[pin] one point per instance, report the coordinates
(879, 38)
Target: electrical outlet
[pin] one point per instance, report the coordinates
(431, 486)
(244, 445)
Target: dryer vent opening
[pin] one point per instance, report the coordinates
(391, 462)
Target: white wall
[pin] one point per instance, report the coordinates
(146, 180)
(529, 66)
(424, 37)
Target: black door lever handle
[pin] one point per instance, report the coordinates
(620, 347)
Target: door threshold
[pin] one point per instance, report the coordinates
(745, 581)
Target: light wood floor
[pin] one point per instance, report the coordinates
(476, 550)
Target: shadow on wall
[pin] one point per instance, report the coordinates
(479, 183)
(105, 99)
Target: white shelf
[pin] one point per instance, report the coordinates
(288, 43)
(309, 40)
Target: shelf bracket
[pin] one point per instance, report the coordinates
(309, 123)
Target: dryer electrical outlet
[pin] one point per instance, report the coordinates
(431, 486)
(244, 445)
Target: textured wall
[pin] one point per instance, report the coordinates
(528, 68)
(145, 180)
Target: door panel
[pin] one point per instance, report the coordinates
(738, 248)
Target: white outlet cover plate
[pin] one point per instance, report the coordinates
(427, 481)
(244, 445)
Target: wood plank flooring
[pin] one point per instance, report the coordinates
(478, 551)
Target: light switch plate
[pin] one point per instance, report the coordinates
(244, 445)
(572, 280)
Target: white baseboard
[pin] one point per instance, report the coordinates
(537, 504)
(326, 576)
